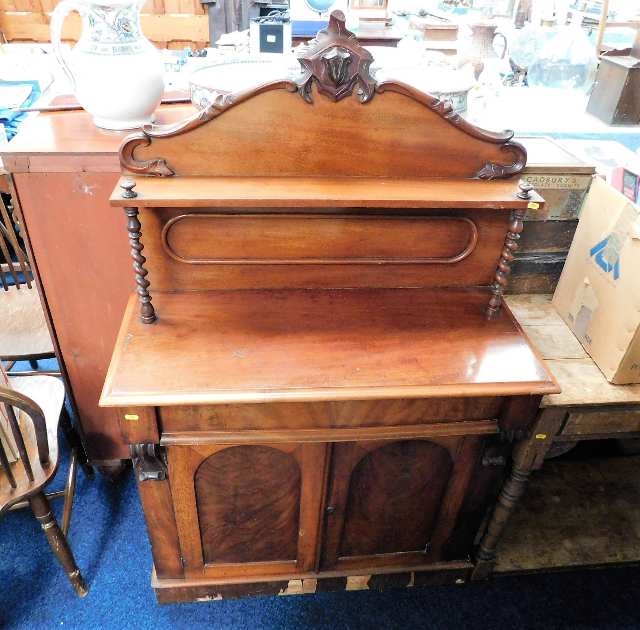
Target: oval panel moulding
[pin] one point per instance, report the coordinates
(218, 239)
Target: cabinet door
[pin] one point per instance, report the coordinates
(395, 503)
(247, 509)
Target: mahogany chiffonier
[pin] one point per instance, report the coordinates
(317, 377)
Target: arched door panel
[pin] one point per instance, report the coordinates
(250, 509)
(248, 500)
(393, 499)
(396, 502)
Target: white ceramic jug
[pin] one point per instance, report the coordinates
(116, 71)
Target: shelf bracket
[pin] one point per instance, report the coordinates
(148, 462)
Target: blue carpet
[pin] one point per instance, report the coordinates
(110, 543)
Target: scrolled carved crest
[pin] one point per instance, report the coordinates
(337, 63)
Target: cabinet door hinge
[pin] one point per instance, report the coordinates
(148, 462)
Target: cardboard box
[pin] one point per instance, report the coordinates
(559, 175)
(598, 294)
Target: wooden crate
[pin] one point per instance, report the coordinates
(563, 180)
(167, 23)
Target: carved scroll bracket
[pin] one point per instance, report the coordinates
(148, 462)
(157, 167)
(492, 170)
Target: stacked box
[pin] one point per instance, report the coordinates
(563, 180)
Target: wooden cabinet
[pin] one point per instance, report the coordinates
(348, 488)
(254, 509)
(317, 376)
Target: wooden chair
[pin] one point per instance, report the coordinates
(24, 334)
(35, 432)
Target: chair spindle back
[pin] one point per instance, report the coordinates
(13, 257)
(12, 400)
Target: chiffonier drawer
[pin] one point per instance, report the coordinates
(326, 414)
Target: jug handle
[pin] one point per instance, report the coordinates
(57, 19)
(504, 39)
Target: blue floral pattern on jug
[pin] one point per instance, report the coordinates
(113, 30)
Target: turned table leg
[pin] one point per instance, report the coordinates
(528, 455)
(510, 494)
(42, 511)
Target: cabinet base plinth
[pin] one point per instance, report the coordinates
(174, 591)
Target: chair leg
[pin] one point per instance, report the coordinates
(42, 511)
(74, 441)
(69, 493)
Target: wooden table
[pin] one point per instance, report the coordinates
(574, 513)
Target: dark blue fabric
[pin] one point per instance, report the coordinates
(12, 119)
(110, 543)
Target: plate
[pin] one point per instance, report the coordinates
(237, 75)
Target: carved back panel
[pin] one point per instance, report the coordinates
(334, 120)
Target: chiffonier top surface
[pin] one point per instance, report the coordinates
(293, 345)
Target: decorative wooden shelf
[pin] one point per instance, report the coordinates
(323, 192)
